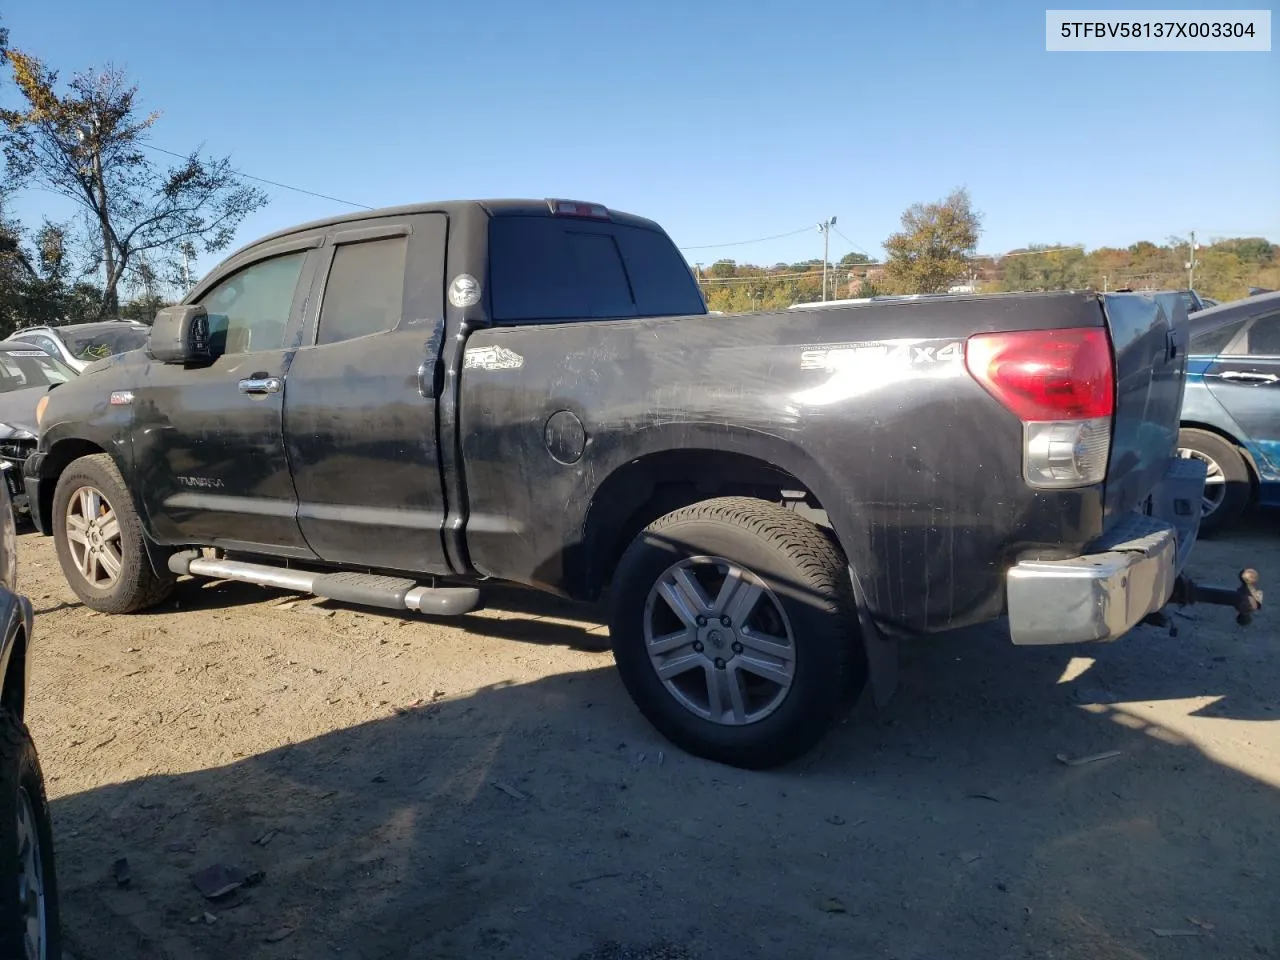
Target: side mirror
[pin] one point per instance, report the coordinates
(181, 335)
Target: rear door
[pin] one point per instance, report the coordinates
(360, 401)
(1245, 379)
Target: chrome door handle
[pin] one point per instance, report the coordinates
(1242, 376)
(263, 385)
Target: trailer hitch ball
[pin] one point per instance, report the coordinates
(1246, 599)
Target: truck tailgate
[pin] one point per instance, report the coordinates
(1149, 333)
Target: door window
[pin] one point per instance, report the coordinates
(365, 290)
(1264, 337)
(1215, 339)
(249, 310)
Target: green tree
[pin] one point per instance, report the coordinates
(86, 144)
(932, 250)
(1043, 268)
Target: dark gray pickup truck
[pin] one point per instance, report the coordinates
(394, 407)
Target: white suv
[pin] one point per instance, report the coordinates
(79, 344)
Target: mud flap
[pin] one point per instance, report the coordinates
(881, 651)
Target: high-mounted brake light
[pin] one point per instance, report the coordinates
(1061, 385)
(576, 208)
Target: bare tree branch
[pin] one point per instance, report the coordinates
(85, 143)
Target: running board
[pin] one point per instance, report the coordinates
(392, 593)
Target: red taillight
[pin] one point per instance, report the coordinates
(575, 208)
(1046, 374)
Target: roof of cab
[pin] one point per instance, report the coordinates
(493, 208)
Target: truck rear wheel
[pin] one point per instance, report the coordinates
(735, 631)
(1227, 488)
(100, 542)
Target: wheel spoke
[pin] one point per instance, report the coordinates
(764, 670)
(678, 665)
(724, 694)
(770, 646)
(109, 526)
(692, 591)
(738, 596)
(672, 641)
(86, 564)
(109, 560)
(685, 597)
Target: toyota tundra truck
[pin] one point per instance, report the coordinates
(395, 408)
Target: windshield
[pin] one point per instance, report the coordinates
(21, 369)
(104, 342)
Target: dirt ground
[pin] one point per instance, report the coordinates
(484, 788)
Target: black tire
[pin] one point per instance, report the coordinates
(1238, 487)
(137, 586)
(20, 777)
(809, 578)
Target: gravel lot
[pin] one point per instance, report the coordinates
(484, 788)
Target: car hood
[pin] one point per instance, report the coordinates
(18, 411)
(130, 358)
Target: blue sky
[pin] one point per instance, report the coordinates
(721, 121)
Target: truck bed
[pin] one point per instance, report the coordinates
(868, 407)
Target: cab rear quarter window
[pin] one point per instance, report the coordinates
(550, 269)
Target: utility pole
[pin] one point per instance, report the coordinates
(1191, 263)
(825, 229)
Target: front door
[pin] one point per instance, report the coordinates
(209, 439)
(360, 402)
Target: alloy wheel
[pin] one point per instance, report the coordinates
(719, 640)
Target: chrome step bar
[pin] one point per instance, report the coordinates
(392, 593)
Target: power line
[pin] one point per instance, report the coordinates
(849, 242)
(274, 183)
(743, 243)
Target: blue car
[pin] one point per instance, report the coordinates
(1231, 411)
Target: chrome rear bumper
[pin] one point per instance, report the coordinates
(1127, 575)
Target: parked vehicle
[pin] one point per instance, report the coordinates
(26, 374)
(80, 344)
(1231, 413)
(392, 408)
(29, 925)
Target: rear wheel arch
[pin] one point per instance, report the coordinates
(1226, 436)
(1235, 486)
(649, 487)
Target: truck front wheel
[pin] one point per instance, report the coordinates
(734, 629)
(99, 540)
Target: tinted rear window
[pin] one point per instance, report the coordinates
(549, 269)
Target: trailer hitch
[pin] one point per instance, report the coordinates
(1246, 598)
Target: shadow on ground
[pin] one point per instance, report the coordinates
(548, 821)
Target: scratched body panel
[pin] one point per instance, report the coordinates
(869, 407)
